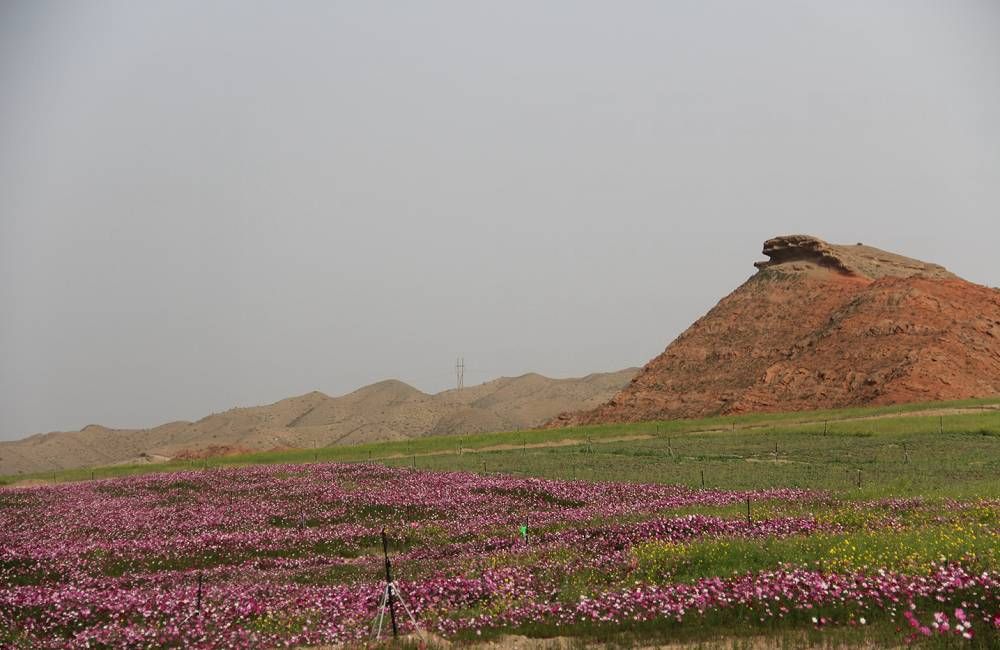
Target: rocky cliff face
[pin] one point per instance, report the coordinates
(823, 326)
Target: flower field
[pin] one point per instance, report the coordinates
(279, 555)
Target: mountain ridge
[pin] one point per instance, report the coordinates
(385, 410)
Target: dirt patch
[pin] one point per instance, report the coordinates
(567, 442)
(27, 483)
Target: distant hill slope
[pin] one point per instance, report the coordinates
(822, 326)
(388, 410)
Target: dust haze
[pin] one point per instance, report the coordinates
(208, 205)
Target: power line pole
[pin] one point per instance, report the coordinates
(460, 372)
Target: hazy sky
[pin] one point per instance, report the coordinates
(212, 204)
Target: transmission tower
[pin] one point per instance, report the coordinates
(460, 372)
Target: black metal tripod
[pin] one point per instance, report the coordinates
(390, 596)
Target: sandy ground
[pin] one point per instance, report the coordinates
(519, 642)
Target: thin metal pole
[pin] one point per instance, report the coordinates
(381, 613)
(389, 585)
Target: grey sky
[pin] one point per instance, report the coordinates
(211, 204)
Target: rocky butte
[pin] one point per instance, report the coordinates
(822, 326)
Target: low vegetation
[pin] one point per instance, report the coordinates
(893, 446)
(795, 528)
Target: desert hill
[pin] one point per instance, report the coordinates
(822, 326)
(387, 410)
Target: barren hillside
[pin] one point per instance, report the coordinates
(823, 326)
(384, 411)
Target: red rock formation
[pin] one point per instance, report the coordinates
(823, 326)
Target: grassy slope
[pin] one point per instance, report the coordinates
(911, 452)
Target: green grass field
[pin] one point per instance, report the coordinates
(897, 450)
